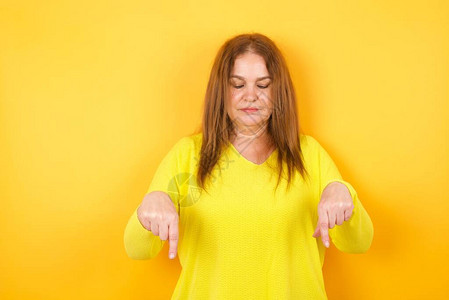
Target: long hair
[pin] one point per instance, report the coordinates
(283, 124)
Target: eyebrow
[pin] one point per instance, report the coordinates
(243, 78)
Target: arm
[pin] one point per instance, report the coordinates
(356, 234)
(140, 243)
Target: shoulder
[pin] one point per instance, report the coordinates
(196, 139)
(189, 144)
(193, 141)
(312, 152)
(307, 142)
(311, 148)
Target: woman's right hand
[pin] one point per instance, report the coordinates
(158, 214)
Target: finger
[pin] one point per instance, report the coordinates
(332, 218)
(348, 214)
(155, 228)
(173, 234)
(163, 232)
(317, 231)
(147, 225)
(324, 225)
(144, 221)
(340, 217)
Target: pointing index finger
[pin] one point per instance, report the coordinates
(324, 227)
(173, 234)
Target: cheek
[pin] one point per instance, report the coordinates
(236, 98)
(233, 102)
(236, 94)
(267, 100)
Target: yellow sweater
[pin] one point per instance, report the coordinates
(241, 240)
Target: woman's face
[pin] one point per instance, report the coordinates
(250, 86)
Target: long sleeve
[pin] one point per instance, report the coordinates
(141, 243)
(356, 234)
(171, 171)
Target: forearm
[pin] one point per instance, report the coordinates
(356, 234)
(140, 243)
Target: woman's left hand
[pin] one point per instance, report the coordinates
(335, 207)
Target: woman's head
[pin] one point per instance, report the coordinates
(249, 87)
(223, 100)
(249, 56)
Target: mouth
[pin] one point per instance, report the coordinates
(250, 109)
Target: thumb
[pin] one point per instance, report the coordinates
(317, 232)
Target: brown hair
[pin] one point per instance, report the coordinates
(283, 125)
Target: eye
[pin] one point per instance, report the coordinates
(238, 86)
(263, 87)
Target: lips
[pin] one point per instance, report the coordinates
(250, 109)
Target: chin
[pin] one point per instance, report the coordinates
(253, 119)
(250, 120)
(255, 123)
(245, 119)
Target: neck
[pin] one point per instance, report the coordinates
(259, 140)
(257, 134)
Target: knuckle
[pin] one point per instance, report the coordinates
(151, 215)
(173, 218)
(147, 225)
(323, 224)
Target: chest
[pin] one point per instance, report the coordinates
(242, 201)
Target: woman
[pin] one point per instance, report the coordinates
(249, 203)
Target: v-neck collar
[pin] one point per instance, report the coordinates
(248, 162)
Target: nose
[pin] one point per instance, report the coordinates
(251, 93)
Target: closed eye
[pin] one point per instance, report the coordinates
(259, 86)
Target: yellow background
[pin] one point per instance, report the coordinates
(94, 93)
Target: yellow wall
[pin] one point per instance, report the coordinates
(94, 93)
